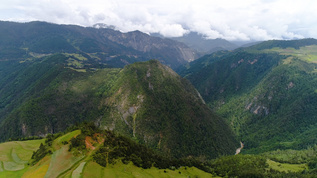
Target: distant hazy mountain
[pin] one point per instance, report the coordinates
(103, 45)
(204, 45)
(250, 44)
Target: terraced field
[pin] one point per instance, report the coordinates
(14, 157)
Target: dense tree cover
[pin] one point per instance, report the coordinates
(65, 77)
(240, 166)
(269, 99)
(286, 116)
(23, 92)
(175, 115)
(117, 147)
(77, 144)
(25, 138)
(146, 101)
(225, 75)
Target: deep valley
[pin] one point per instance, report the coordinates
(95, 102)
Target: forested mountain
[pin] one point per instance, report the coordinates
(267, 92)
(145, 101)
(142, 114)
(103, 45)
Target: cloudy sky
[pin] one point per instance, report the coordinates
(228, 19)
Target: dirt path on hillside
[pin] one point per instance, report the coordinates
(239, 149)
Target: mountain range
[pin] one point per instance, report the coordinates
(103, 98)
(102, 45)
(146, 101)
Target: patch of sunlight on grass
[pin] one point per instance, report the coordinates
(78, 56)
(306, 53)
(286, 167)
(119, 169)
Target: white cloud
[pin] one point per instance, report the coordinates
(228, 19)
(173, 30)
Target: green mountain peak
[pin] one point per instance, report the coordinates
(146, 101)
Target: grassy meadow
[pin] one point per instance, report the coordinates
(14, 158)
(119, 169)
(285, 167)
(306, 53)
(15, 155)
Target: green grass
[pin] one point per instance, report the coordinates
(39, 170)
(78, 171)
(18, 151)
(5, 150)
(61, 161)
(284, 167)
(14, 156)
(92, 169)
(77, 56)
(1, 166)
(12, 166)
(78, 70)
(66, 137)
(306, 53)
(74, 63)
(26, 148)
(119, 169)
(12, 174)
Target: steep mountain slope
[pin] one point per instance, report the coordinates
(166, 112)
(145, 101)
(266, 91)
(105, 46)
